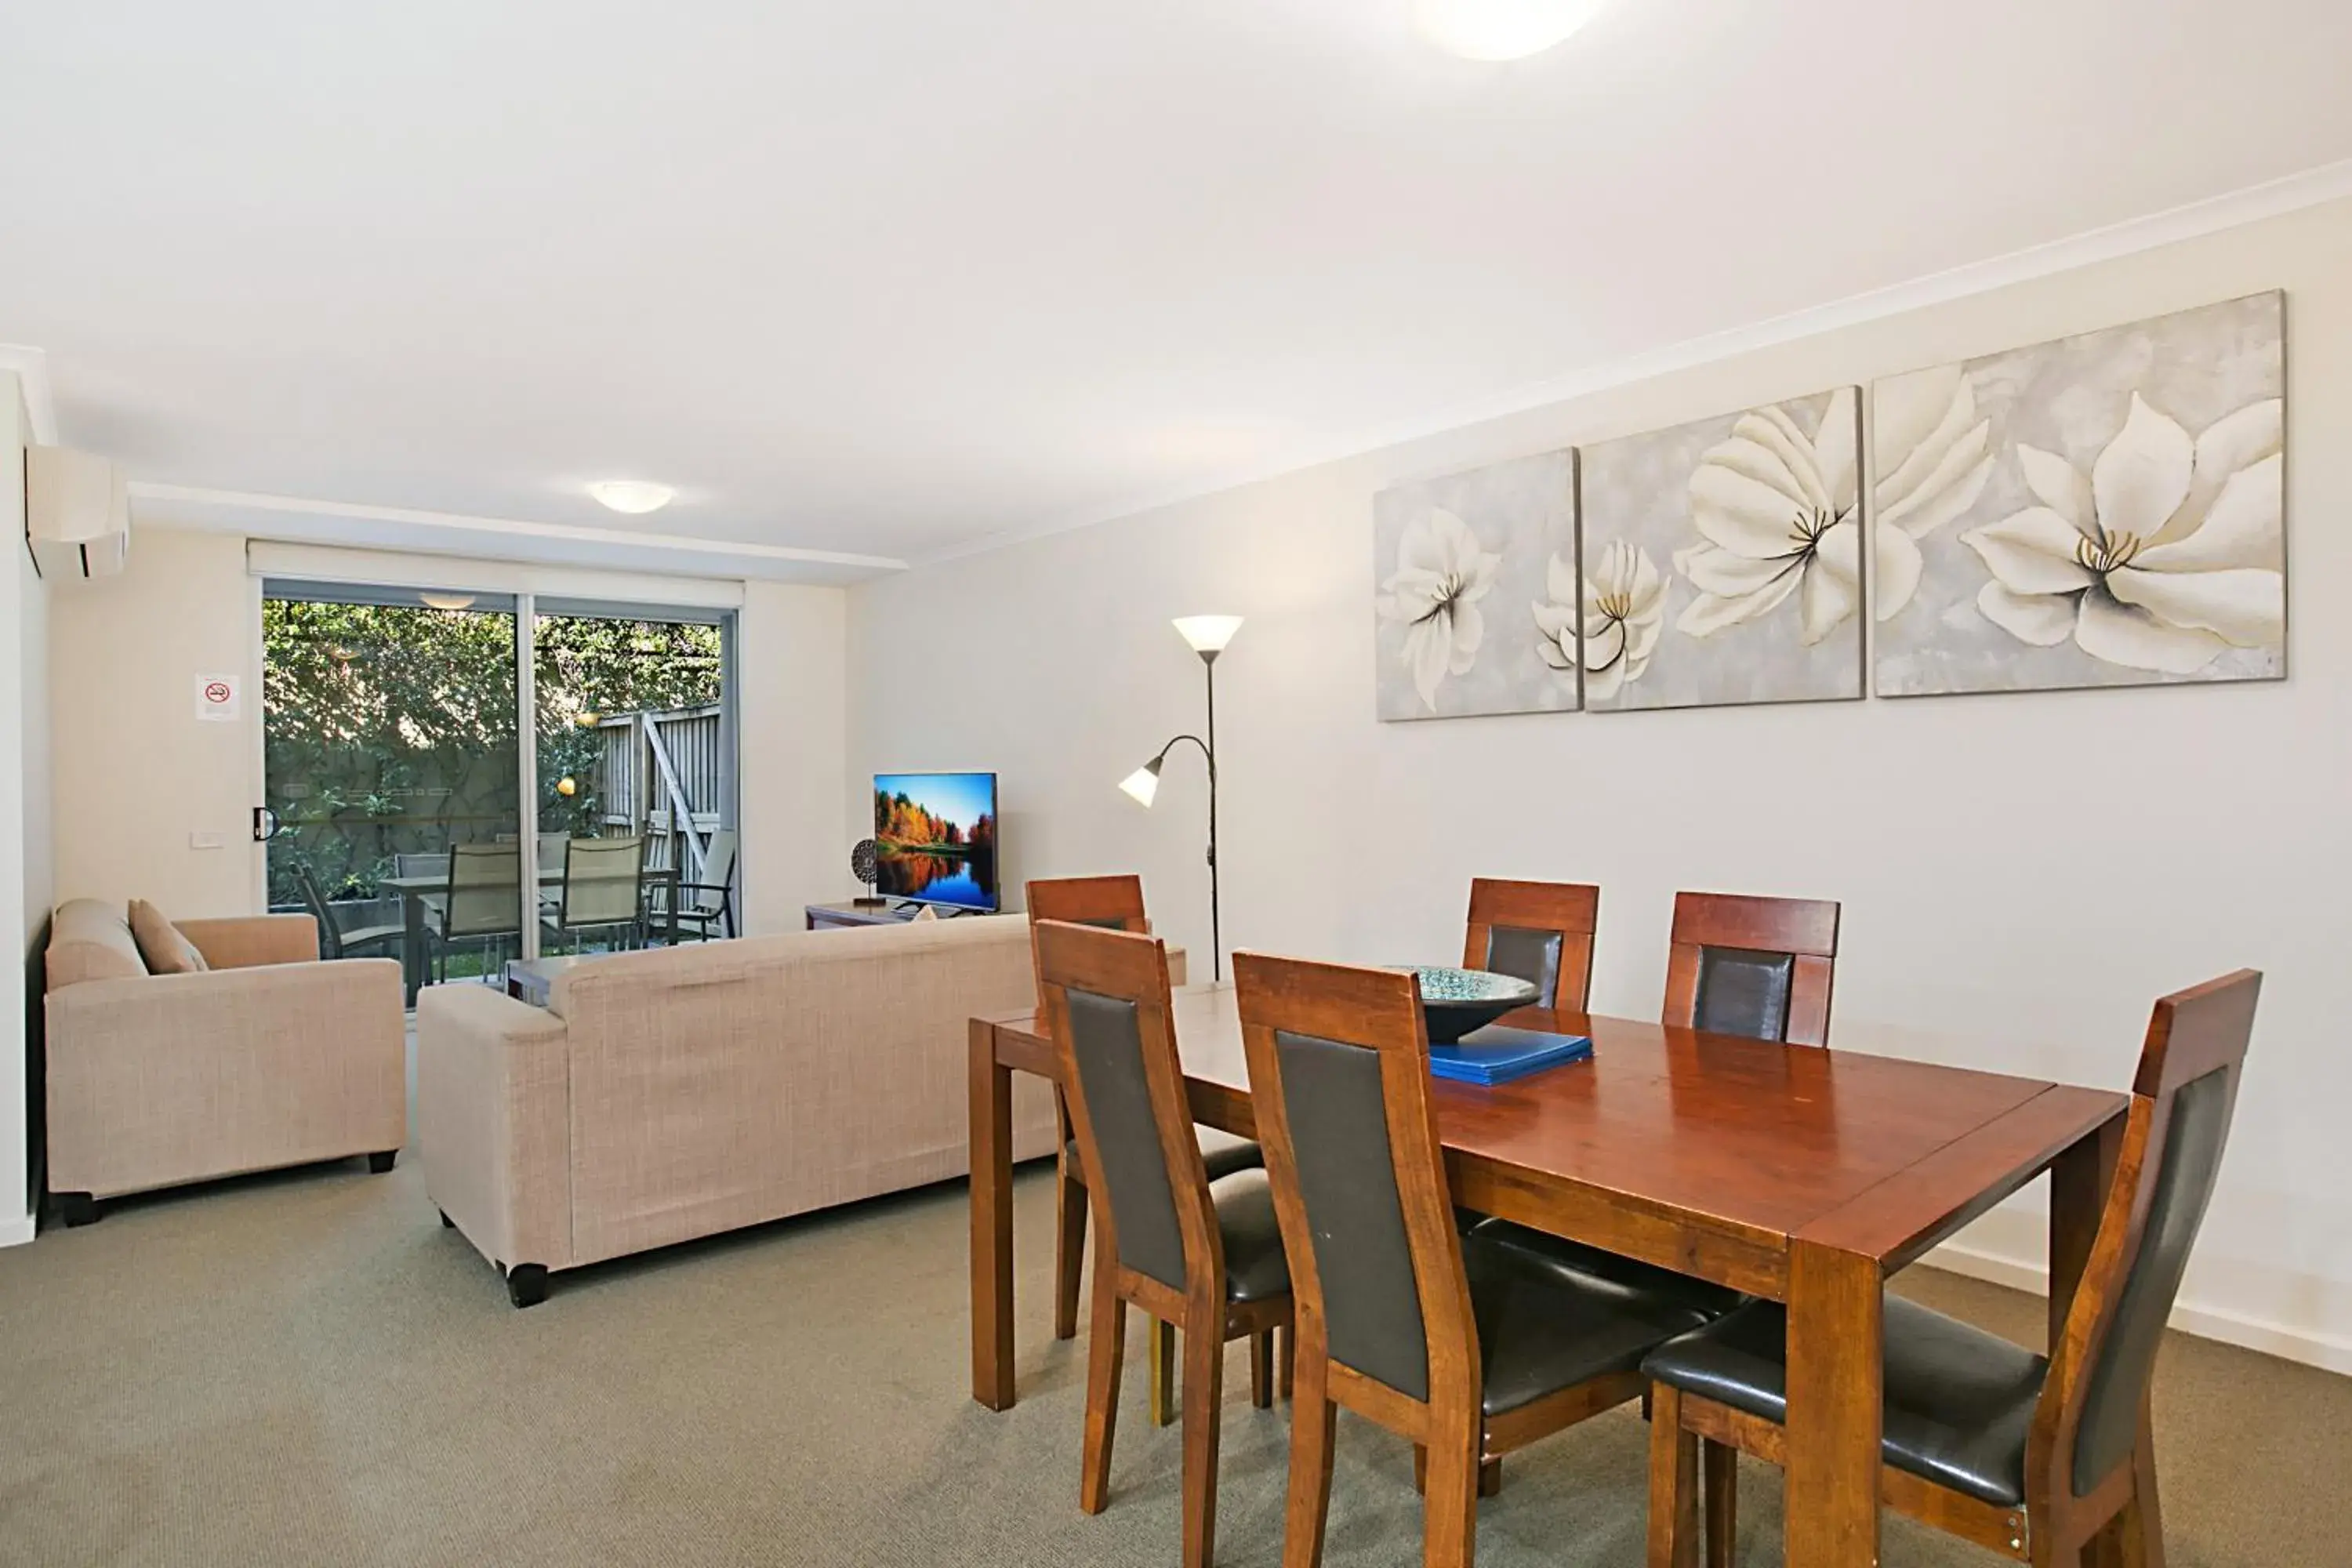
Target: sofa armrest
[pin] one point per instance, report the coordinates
(175, 1077)
(245, 941)
(493, 1121)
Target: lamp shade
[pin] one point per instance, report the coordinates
(1143, 783)
(1208, 634)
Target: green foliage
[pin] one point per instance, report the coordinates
(390, 730)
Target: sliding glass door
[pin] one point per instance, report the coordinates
(397, 780)
(635, 759)
(392, 767)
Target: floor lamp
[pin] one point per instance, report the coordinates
(1207, 636)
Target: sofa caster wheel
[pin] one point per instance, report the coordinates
(527, 1284)
(77, 1209)
(447, 1222)
(379, 1162)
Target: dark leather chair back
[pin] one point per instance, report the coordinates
(1106, 1009)
(1743, 991)
(1540, 931)
(1764, 968)
(2182, 1099)
(1106, 1053)
(1338, 1066)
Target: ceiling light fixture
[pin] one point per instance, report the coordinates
(632, 496)
(446, 601)
(1500, 29)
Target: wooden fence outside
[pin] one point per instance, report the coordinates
(658, 769)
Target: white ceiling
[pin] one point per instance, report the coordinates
(891, 277)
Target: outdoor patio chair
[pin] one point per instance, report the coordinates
(705, 908)
(600, 891)
(334, 941)
(483, 902)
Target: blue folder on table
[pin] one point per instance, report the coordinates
(1497, 1054)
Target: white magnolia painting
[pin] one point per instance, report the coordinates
(1723, 560)
(2103, 510)
(1470, 568)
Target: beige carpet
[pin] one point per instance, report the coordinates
(307, 1369)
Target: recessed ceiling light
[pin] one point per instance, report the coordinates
(632, 495)
(1500, 29)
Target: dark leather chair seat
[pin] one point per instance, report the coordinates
(1255, 1268)
(1579, 1265)
(1958, 1400)
(1540, 1331)
(1221, 1153)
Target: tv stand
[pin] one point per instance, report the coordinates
(845, 915)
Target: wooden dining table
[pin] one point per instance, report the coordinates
(1798, 1173)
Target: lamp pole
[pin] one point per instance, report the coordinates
(1216, 940)
(1207, 636)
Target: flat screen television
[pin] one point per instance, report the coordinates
(935, 838)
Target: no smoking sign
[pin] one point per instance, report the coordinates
(219, 698)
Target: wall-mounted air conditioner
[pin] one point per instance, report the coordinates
(77, 513)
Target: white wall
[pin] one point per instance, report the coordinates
(2021, 875)
(137, 776)
(793, 650)
(24, 808)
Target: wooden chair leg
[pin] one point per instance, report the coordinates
(1161, 1360)
(1421, 1468)
(1449, 1508)
(1069, 1248)
(2135, 1537)
(1673, 1483)
(1261, 1369)
(1311, 1427)
(1205, 1369)
(1286, 1338)
(1719, 1462)
(1106, 1349)
(1490, 1477)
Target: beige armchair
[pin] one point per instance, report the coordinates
(268, 1058)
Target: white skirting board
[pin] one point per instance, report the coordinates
(2331, 1352)
(16, 1230)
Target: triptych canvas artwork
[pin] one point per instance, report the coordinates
(2105, 510)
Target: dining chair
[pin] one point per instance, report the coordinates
(2048, 1461)
(1444, 1339)
(1114, 903)
(1759, 967)
(1568, 914)
(333, 941)
(600, 891)
(1204, 1255)
(436, 865)
(483, 900)
(1540, 931)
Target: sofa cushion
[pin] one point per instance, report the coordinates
(90, 939)
(166, 950)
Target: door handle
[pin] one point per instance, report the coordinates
(265, 825)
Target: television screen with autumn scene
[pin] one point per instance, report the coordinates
(935, 838)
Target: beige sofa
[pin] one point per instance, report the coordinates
(682, 1091)
(268, 1058)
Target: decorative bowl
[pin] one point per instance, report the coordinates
(1455, 1000)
